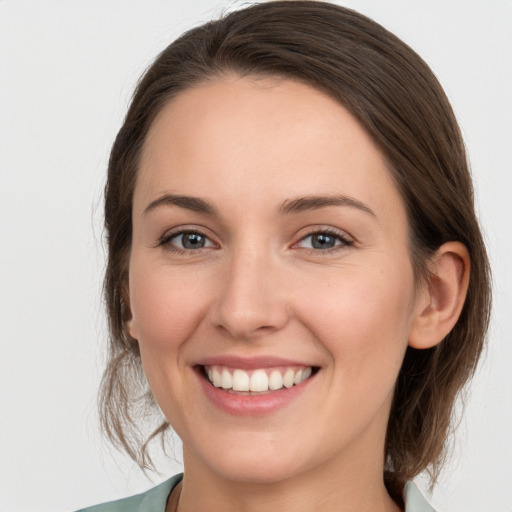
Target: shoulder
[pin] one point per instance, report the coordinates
(153, 500)
(414, 500)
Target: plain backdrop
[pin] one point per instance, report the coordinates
(67, 70)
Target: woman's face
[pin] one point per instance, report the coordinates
(269, 241)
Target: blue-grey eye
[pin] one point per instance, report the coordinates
(189, 240)
(323, 241)
(193, 240)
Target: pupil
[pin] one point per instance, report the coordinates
(323, 241)
(193, 241)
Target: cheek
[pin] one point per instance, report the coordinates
(166, 305)
(363, 317)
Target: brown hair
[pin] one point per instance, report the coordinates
(396, 97)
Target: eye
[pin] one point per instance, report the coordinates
(186, 241)
(324, 240)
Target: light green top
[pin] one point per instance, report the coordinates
(155, 500)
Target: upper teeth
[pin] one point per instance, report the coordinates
(256, 380)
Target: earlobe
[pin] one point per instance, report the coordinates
(130, 328)
(129, 322)
(130, 325)
(440, 302)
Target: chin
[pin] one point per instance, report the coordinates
(256, 458)
(257, 471)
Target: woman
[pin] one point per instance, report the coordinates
(294, 265)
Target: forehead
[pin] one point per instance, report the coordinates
(252, 138)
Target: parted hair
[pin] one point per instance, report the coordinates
(395, 96)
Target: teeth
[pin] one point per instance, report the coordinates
(226, 380)
(258, 380)
(306, 374)
(216, 378)
(276, 380)
(288, 378)
(240, 381)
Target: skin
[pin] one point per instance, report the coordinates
(259, 287)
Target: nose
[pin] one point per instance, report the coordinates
(252, 301)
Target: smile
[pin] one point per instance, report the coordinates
(261, 380)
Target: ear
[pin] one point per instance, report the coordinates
(440, 301)
(131, 328)
(129, 325)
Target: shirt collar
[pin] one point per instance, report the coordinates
(414, 500)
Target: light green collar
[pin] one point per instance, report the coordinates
(414, 500)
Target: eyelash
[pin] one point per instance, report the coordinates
(339, 236)
(331, 232)
(165, 241)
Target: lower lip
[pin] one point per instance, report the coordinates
(251, 405)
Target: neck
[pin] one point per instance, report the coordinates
(331, 487)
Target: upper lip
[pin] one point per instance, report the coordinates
(249, 363)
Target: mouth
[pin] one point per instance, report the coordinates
(258, 381)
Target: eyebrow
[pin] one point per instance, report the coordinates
(290, 206)
(303, 204)
(195, 204)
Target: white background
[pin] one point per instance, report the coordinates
(67, 70)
